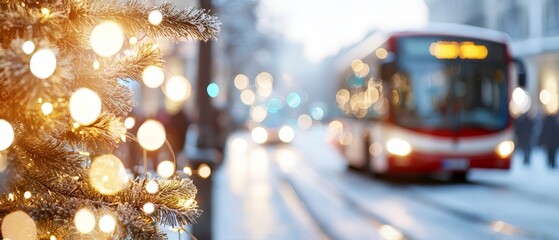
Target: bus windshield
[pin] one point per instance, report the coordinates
(449, 90)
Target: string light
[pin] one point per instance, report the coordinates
(28, 47)
(7, 136)
(187, 171)
(133, 40)
(27, 195)
(153, 76)
(148, 208)
(84, 221)
(166, 169)
(18, 225)
(151, 135)
(43, 63)
(107, 39)
(204, 171)
(155, 17)
(107, 223)
(52, 237)
(152, 187)
(85, 106)
(46, 108)
(45, 11)
(108, 175)
(177, 88)
(96, 65)
(129, 122)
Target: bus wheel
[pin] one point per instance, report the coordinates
(459, 177)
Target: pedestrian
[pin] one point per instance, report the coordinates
(549, 138)
(523, 128)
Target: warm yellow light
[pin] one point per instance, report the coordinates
(342, 96)
(151, 135)
(187, 171)
(469, 50)
(248, 97)
(148, 208)
(155, 17)
(43, 63)
(96, 65)
(7, 136)
(346, 138)
(129, 122)
(18, 225)
(27, 195)
(152, 187)
(264, 80)
(259, 135)
(45, 11)
(107, 39)
(153, 76)
(356, 65)
(381, 53)
(286, 134)
(304, 121)
(335, 127)
(241, 81)
(28, 47)
(133, 40)
(108, 175)
(52, 237)
(166, 169)
(84, 221)
(46, 108)
(398, 147)
(177, 88)
(545, 96)
(445, 49)
(204, 171)
(85, 106)
(505, 149)
(107, 223)
(258, 113)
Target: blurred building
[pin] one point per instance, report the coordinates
(534, 30)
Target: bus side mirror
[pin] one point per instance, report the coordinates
(521, 70)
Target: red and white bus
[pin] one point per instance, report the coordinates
(430, 100)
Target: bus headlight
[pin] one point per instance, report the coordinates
(398, 147)
(505, 149)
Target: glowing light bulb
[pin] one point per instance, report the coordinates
(149, 208)
(107, 223)
(96, 65)
(107, 39)
(151, 135)
(85, 106)
(7, 134)
(155, 17)
(18, 225)
(43, 63)
(204, 171)
(108, 175)
(27, 195)
(46, 108)
(52, 237)
(177, 88)
(133, 40)
(166, 169)
(45, 11)
(152, 187)
(28, 47)
(129, 122)
(153, 76)
(84, 221)
(187, 171)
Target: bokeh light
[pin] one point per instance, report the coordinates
(152, 187)
(317, 113)
(84, 221)
(148, 208)
(239, 144)
(304, 121)
(258, 113)
(46, 108)
(108, 175)
(85, 106)
(166, 169)
(241, 81)
(293, 100)
(259, 135)
(248, 97)
(129, 122)
(177, 88)
(107, 223)
(286, 134)
(43, 63)
(151, 135)
(7, 136)
(204, 171)
(213, 90)
(18, 226)
(28, 47)
(153, 76)
(155, 17)
(107, 39)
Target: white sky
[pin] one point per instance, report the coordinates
(325, 26)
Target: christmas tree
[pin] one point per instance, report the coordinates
(64, 65)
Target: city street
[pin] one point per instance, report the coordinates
(304, 191)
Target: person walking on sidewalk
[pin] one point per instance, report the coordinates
(549, 138)
(523, 128)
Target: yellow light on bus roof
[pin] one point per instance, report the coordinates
(453, 50)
